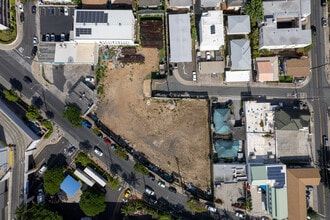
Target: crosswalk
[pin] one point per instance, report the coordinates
(19, 58)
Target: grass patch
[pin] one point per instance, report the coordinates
(121, 153)
(114, 182)
(8, 36)
(193, 28)
(49, 126)
(286, 79)
(84, 160)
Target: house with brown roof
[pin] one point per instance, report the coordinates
(267, 69)
(298, 67)
(297, 180)
(94, 4)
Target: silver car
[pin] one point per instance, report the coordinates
(98, 151)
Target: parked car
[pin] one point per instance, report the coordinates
(98, 151)
(21, 17)
(34, 51)
(313, 29)
(324, 22)
(40, 196)
(127, 193)
(42, 169)
(52, 37)
(172, 189)
(89, 79)
(113, 147)
(47, 37)
(66, 11)
(240, 214)
(33, 9)
(309, 188)
(194, 76)
(151, 176)
(71, 150)
(211, 208)
(107, 141)
(323, 3)
(161, 184)
(21, 7)
(35, 41)
(62, 37)
(86, 124)
(27, 79)
(51, 10)
(208, 55)
(149, 191)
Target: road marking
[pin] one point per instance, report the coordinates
(11, 154)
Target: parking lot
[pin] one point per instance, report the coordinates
(55, 20)
(229, 193)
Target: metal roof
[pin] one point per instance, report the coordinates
(240, 54)
(70, 186)
(238, 24)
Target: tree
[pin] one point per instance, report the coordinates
(52, 180)
(11, 95)
(72, 114)
(92, 202)
(195, 206)
(138, 167)
(254, 9)
(36, 212)
(32, 113)
(114, 183)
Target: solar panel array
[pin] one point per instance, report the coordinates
(212, 27)
(91, 17)
(85, 31)
(274, 173)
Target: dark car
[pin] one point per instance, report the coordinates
(172, 189)
(33, 9)
(151, 176)
(107, 141)
(51, 11)
(34, 51)
(313, 29)
(27, 79)
(71, 150)
(86, 124)
(323, 3)
(21, 16)
(52, 37)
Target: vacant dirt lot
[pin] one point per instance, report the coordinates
(163, 129)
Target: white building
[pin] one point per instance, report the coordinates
(110, 27)
(211, 31)
(283, 26)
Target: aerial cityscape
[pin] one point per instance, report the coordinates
(164, 109)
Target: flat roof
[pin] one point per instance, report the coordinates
(298, 67)
(70, 186)
(238, 76)
(211, 31)
(229, 173)
(285, 7)
(71, 52)
(259, 125)
(114, 27)
(279, 203)
(94, 2)
(297, 180)
(180, 38)
(273, 175)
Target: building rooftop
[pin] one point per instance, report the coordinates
(284, 7)
(180, 3)
(292, 119)
(298, 179)
(235, 3)
(94, 2)
(210, 3)
(259, 124)
(267, 68)
(229, 173)
(238, 24)
(273, 175)
(240, 54)
(211, 31)
(227, 149)
(278, 203)
(298, 67)
(220, 119)
(113, 27)
(82, 96)
(70, 186)
(149, 3)
(180, 38)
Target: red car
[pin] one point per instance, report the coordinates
(107, 141)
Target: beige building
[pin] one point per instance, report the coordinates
(267, 69)
(298, 67)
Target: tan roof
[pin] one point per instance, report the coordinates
(298, 67)
(267, 68)
(94, 2)
(297, 179)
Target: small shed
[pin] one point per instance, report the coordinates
(70, 186)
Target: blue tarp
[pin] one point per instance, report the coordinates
(70, 186)
(226, 149)
(220, 118)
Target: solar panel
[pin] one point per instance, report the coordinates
(274, 173)
(212, 27)
(85, 31)
(91, 17)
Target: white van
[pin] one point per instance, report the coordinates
(42, 169)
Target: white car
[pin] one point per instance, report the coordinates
(211, 208)
(150, 191)
(35, 41)
(194, 76)
(208, 55)
(89, 79)
(21, 8)
(240, 214)
(161, 184)
(98, 151)
(66, 11)
(42, 169)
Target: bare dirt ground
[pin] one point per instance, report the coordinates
(162, 129)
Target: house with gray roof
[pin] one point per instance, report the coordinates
(180, 38)
(238, 24)
(235, 4)
(210, 3)
(180, 3)
(292, 119)
(149, 3)
(284, 24)
(240, 54)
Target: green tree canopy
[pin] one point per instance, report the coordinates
(52, 180)
(36, 212)
(32, 113)
(196, 206)
(72, 114)
(138, 167)
(11, 95)
(92, 202)
(254, 9)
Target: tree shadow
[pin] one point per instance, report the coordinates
(49, 114)
(16, 84)
(115, 168)
(131, 179)
(85, 146)
(37, 102)
(56, 161)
